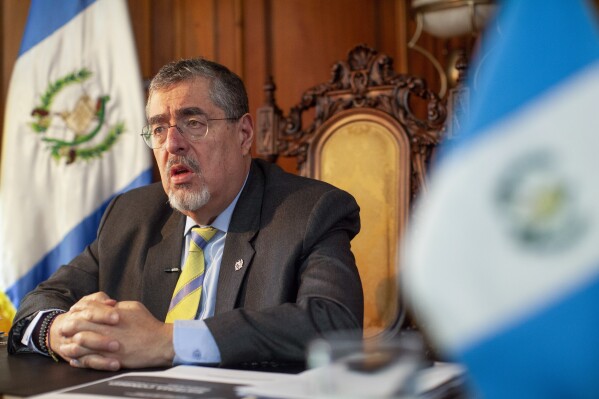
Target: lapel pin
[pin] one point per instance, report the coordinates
(238, 264)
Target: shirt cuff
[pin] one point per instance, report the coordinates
(194, 343)
(28, 337)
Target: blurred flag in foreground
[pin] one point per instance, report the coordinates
(502, 258)
(71, 136)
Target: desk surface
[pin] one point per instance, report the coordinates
(32, 374)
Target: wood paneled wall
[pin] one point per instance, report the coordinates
(295, 41)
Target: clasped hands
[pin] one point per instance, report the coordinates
(100, 333)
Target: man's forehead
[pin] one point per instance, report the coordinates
(189, 97)
(179, 104)
(163, 115)
(192, 91)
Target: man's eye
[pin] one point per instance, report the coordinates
(194, 124)
(158, 130)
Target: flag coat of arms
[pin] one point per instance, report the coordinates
(502, 259)
(71, 137)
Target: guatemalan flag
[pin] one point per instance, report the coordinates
(71, 136)
(502, 261)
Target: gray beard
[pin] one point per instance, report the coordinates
(185, 200)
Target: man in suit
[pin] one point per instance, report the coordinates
(278, 270)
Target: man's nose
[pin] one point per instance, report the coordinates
(175, 142)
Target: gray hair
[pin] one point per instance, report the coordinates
(227, 90)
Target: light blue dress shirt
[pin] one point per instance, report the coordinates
(193, 342)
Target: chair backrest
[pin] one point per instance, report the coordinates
(363, 133)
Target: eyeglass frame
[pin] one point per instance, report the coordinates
(146, 136)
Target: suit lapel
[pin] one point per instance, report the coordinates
(159, 285)
(239, 251)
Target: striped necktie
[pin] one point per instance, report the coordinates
(187, 294)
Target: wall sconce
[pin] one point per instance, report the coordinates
(447, 19)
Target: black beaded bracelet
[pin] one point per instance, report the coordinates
(48, 318)
(50, 351)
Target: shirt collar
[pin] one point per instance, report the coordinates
(222, 221)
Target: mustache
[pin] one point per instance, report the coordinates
(185, 161)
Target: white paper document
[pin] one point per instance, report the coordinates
(194, 382)
(181, 382)
(327, 382)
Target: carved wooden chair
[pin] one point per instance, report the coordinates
(366, 137)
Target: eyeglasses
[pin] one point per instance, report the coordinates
(193, 128)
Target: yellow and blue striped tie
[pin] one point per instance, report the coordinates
(187, 294)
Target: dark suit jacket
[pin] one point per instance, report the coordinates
(298, 279)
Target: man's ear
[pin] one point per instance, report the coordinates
(246, 133)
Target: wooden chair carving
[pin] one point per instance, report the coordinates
(367, 138)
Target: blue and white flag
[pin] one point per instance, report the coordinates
(502, 263)
(74, 112)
